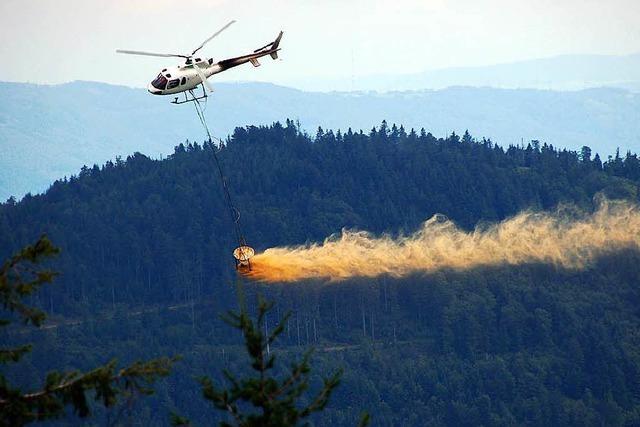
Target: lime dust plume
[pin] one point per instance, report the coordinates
(565, 237)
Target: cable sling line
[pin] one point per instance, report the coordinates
(243, 252)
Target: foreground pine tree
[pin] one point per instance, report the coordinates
(20, 277)
(261, 399)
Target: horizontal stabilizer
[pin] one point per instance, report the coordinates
(263, 47)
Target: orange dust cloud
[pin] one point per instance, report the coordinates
(566, 237)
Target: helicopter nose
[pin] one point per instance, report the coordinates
(152, 90)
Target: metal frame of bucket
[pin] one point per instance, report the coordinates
(243, 255)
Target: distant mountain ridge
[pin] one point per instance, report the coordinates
(564, 72)
(47, 132)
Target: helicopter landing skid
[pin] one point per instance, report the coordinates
(193, 97)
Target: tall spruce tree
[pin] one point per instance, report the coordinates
(263, 400)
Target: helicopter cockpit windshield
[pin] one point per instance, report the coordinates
(160, 82)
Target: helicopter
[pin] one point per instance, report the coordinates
(194, 71)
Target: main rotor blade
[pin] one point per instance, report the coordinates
(138, 52)
(203, 78)
(214, 35)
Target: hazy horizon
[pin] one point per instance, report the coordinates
(377, 81)
(333, 40)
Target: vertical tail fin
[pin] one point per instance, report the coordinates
(275, 45)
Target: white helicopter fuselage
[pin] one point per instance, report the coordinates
(185, 77)
(195, 71)
(181, 78)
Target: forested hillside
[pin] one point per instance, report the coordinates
(146, 268)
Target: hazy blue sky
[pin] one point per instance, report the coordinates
(51, 41)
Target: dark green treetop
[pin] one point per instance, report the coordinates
(262, 399)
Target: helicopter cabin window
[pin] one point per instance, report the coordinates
(160, 82)
(173, 83)
(183, 81)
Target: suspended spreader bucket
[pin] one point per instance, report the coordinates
(243, 255)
